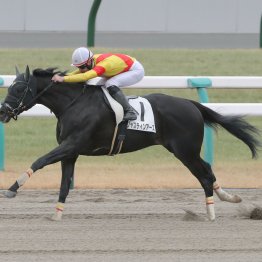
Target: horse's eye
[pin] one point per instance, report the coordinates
(15, 88)
(20, 88)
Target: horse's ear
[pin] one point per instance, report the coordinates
(27, 73)
(17, 73)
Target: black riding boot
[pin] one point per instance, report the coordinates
(129, 111)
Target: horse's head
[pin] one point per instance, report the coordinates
(19, 97)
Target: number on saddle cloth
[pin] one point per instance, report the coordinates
(145, 120)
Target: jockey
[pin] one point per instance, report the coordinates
(115, 70)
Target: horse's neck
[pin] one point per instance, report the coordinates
(59, 96)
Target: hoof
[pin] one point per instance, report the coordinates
(57, 216)
(10, 194)
(224, 196)
(236, 199)
(211, 219)
(211, 212)
(233, 199)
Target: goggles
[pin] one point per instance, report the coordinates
(84, 66)
(88, 65)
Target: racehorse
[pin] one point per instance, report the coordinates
(86, 124)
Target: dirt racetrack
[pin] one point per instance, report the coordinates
(128, 225)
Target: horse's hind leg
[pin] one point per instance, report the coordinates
(225, 196)
(221, 193)
(202, 171)
(188, 154)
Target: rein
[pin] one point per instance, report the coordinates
(14, 112)
(38, 95)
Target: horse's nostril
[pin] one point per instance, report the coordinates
(1, 115)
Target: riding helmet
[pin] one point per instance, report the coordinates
(80, 56)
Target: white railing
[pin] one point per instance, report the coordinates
(242, 82)
(179, 81)
(217, 81)
(254, 109)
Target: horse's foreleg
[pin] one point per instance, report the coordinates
(67, 166)
(224, 196)
(57, 154)
(12, 191)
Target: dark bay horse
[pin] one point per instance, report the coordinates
(85, 126)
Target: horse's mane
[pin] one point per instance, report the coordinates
(49, 72)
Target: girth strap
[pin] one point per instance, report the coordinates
(118, 138)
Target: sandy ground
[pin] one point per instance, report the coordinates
(104, 175)
(128, 225)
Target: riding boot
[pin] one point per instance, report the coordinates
(117, 94)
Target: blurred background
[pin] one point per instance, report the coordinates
(132, 24)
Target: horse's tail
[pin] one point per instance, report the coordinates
(236, 125)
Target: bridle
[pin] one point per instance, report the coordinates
(13, 112)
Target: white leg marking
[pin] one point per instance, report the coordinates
(224, 196)
(24, 177)
(57, 216)
(210, 208)
(59, 212)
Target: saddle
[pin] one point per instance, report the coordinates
(120, 125)
(145, 121)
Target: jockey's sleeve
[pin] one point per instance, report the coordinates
(73, 72)
(83, 77)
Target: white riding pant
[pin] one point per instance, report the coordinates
(128, 78)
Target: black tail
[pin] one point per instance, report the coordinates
(236, 125)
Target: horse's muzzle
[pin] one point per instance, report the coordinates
(4, 115)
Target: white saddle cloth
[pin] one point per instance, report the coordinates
(145, 120)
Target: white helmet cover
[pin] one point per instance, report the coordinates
(80, 56)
